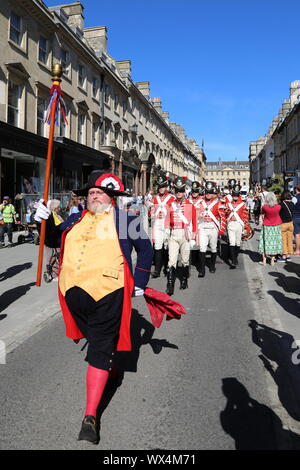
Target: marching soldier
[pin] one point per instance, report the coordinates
(182, 223)
(158, 212)
(211, 224)
(237, 223)
(197, 193)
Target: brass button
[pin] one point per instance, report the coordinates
(110, 360)
(78, 267)
(109, 368)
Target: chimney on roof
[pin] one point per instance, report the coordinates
(156, 102)
(294, 92)
(75, 13)
(124, 67)
(165, 115)
(97, 38)
(144, 88)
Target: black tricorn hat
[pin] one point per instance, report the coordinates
(179, 184)
(162, 180)
(108, 182)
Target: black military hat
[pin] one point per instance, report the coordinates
(196, 187)
(179, 184)
(231, 182)
(236, 190)
(210, 188)
(162, 180)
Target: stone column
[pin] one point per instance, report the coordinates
(144, 177)
(120, 168)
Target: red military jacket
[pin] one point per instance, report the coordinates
(213, 211)
(158, 209)
(237, 211)
(183, 216)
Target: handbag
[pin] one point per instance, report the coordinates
(2, 222)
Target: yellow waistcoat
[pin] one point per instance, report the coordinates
(92, 258)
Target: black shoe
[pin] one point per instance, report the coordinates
(212, 267)
(88, 430)
(201, 267)
(155, 274)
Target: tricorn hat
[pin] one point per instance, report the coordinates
(108, 182)
(162, 180)
(179, 184)
(210, 188)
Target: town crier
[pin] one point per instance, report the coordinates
(211, 225)
(237, 218)
(158, 213)
(96, 282)
(182, 224)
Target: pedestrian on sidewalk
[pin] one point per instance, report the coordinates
(52, 242)
(287, 226)
(270, 241)
(96, 282)
(9, 218)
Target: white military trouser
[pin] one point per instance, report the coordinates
(178, 243)
(235, 231)
(208, 236)
(159, 234)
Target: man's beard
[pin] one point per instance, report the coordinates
(98, 207)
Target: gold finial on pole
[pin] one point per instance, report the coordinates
(57, 72)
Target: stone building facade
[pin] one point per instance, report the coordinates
(278, 151)
(220, 172)
(113, 123)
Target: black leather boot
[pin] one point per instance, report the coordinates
(165, 261)
(184, 277)
(237, 251)
(201, 268)
(158, 258)
(212, 267)
(232, 254)
(171, 281)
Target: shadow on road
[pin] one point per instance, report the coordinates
(280, 348)
(291, 306)
(253, 255)
(14, 270)
(250, 423)
(291, 267)
(287, 283)
(14, 294)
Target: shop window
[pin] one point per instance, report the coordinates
(13, 104)
(15, 32)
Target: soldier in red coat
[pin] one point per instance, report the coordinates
(197, 194)
(158, 212)
(211, 224)
(237, 222)
(182, 224)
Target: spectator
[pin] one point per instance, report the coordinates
(8, 213)
(256, 208)
(270, 242)
(296, 218)
(287, 226)
(74, 206)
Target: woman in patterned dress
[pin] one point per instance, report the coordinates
(270, 242)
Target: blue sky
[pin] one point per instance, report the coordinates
(221, 67)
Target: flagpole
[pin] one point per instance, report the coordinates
(56, 79)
